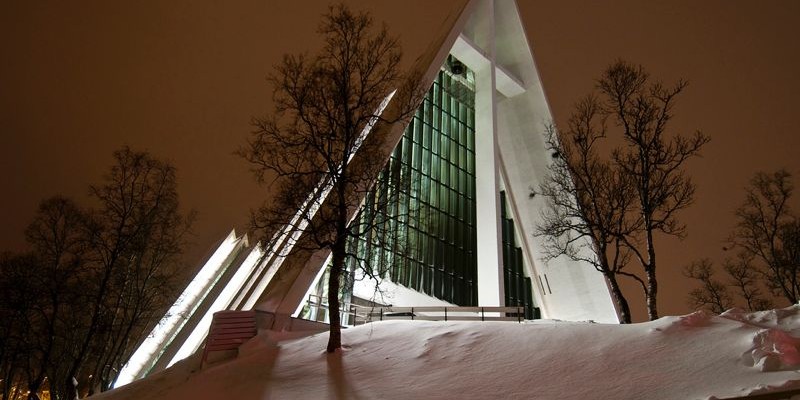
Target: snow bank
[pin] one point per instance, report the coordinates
(775, 346)
(697, 356)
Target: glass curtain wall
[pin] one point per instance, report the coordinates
(426, 235)
(518, 289)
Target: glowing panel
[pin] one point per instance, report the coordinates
(232, 287)
(309, 208)
(177, 315)
(181, 310)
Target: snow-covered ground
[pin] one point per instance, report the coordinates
(696, 356)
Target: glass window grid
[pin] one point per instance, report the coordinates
(518, 291)
(436, 155)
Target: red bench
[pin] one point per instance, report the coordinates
(229, 329)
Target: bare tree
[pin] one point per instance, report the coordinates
(714, 294)
(768, 233)
(652, 157)
(742, 288)
(20, 302)
(58, 239)
(766, 239)
(322, 148)
(589, 200)
(93, 278)
(746, 282)
(647, 171)
(138, 237)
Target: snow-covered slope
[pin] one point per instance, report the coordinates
(696, 356)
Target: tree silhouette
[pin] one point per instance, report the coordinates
(589, 200)
(625, 196)
(766, 242)
(324, 146)
(768, 233)
(93, 280)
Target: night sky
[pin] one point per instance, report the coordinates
(182, 79)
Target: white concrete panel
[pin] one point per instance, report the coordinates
(178, 314)
(576, 291)
(487, 178)
(476, 58)
(222, 301)
(469, 53)
(390, 293)
(508, 84)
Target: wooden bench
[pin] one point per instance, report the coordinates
(229, 329)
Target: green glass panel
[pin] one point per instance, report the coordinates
(433, 248)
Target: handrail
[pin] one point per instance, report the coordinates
(427, 313)
(448, 313)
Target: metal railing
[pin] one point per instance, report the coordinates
(352, 314)
(348, 312)
(447, 313)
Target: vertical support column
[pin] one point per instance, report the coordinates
(487, 174)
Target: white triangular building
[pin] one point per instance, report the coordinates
(474, 150)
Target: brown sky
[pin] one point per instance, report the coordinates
(183, 78)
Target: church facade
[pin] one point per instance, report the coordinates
(471, 154)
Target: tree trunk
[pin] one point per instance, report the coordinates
(71, 389)
(622, 303)
(650, 270)
(652, 294)
(335, 337)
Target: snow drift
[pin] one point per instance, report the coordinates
(697, 356)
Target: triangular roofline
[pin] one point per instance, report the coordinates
(511, 113)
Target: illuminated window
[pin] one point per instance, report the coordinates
(518, 286)
(432, 245)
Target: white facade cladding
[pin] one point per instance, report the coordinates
(510, 156)
(163, 334)
(568, 290)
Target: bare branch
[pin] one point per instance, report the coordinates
(323, 148)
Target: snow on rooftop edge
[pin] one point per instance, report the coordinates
(696, 356)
